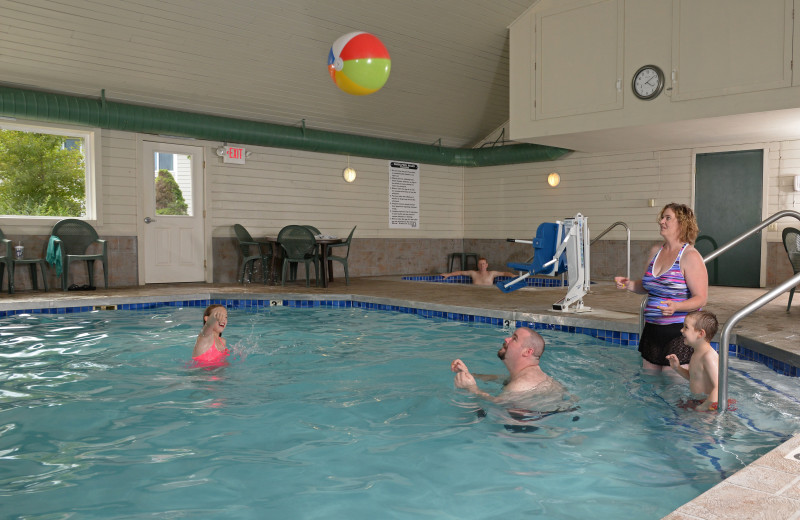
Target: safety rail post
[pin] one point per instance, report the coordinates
(628, 231)
(724, 341)
(722, 379)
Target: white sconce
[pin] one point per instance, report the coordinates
(553, 179)
(220, 151)
(349, 174)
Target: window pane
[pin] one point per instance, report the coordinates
(165, 162)
(173, 186)
(42, 174)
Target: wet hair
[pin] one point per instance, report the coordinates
(484, 259)
(705, 321)
(686, 220)
(534, 341)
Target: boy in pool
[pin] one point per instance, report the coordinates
(698, 329)
(482, 276)
(210, 349)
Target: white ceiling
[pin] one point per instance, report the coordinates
(266, 60)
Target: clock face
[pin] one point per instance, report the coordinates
(648, 82)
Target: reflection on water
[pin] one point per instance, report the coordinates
(350, 413)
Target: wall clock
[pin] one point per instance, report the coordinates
(648, 82)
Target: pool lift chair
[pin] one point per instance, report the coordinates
(558, 247)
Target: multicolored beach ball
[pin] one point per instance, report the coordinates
(359, 63)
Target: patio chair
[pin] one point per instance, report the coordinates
(6, 258)
(249, 256)
(293, 265)
(299, 245)
(69, 240)
(791, 242)
(10, 263)
(342, 259)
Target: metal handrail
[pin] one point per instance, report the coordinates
(756, 304)
(714, 246)
(722, 381)
(628, 231)
(777, 216)
(733, 320)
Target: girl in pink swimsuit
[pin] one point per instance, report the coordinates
(210, 349)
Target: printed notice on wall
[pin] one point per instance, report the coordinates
(403, 195)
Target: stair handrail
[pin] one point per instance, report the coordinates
(722, 379)
(722, 392)
(627, 230)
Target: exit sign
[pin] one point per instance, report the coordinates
(233, 154)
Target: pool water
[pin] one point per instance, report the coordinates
(328, 413)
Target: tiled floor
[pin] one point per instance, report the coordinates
(768, 488)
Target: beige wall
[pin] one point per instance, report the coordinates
(482, 205)
(280, 187)
(513, 200)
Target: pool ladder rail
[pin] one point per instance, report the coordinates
(745, 311)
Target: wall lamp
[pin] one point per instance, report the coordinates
(349, 174)
(553, 179)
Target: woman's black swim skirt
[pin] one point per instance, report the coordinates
(659, 340)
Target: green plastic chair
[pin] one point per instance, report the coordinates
(791, 242)
(6, 258)
(74, 237)
(342, 259)
(10, 262)
(293, 265)
(249, 258)
(299, 245)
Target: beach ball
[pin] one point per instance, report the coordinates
(359, 64)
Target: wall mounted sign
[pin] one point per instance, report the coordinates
(403, 195)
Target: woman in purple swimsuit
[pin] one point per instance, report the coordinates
(676, 282)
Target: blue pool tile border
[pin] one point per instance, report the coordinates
(628, 340)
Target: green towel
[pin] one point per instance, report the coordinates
(54, 253)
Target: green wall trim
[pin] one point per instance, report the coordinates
(68, 109)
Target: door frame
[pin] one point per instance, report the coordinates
(140, 213)
(764, 147)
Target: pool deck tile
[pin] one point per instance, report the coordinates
(769, 488)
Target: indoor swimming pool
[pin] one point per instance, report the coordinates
(349, 413)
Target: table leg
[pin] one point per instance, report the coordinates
(323, 264)
(34, 277)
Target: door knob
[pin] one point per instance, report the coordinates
(148, 220)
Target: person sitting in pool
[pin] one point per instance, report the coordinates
(520, 353)
(210, 348)
(698, 328)
(482, 276)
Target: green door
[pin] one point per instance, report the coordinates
(728, 194)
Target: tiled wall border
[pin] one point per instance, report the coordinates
(604, 331)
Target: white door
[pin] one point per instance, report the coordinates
(172, 231)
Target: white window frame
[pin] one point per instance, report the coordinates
(92, 157)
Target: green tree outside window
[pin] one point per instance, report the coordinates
(41, 175)
(169, 197)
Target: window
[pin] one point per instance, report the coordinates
(46, 171)
(165, 161)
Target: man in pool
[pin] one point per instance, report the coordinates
(520, 353)
(482, 276)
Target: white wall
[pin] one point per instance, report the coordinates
(511, 201)
(278, 187)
